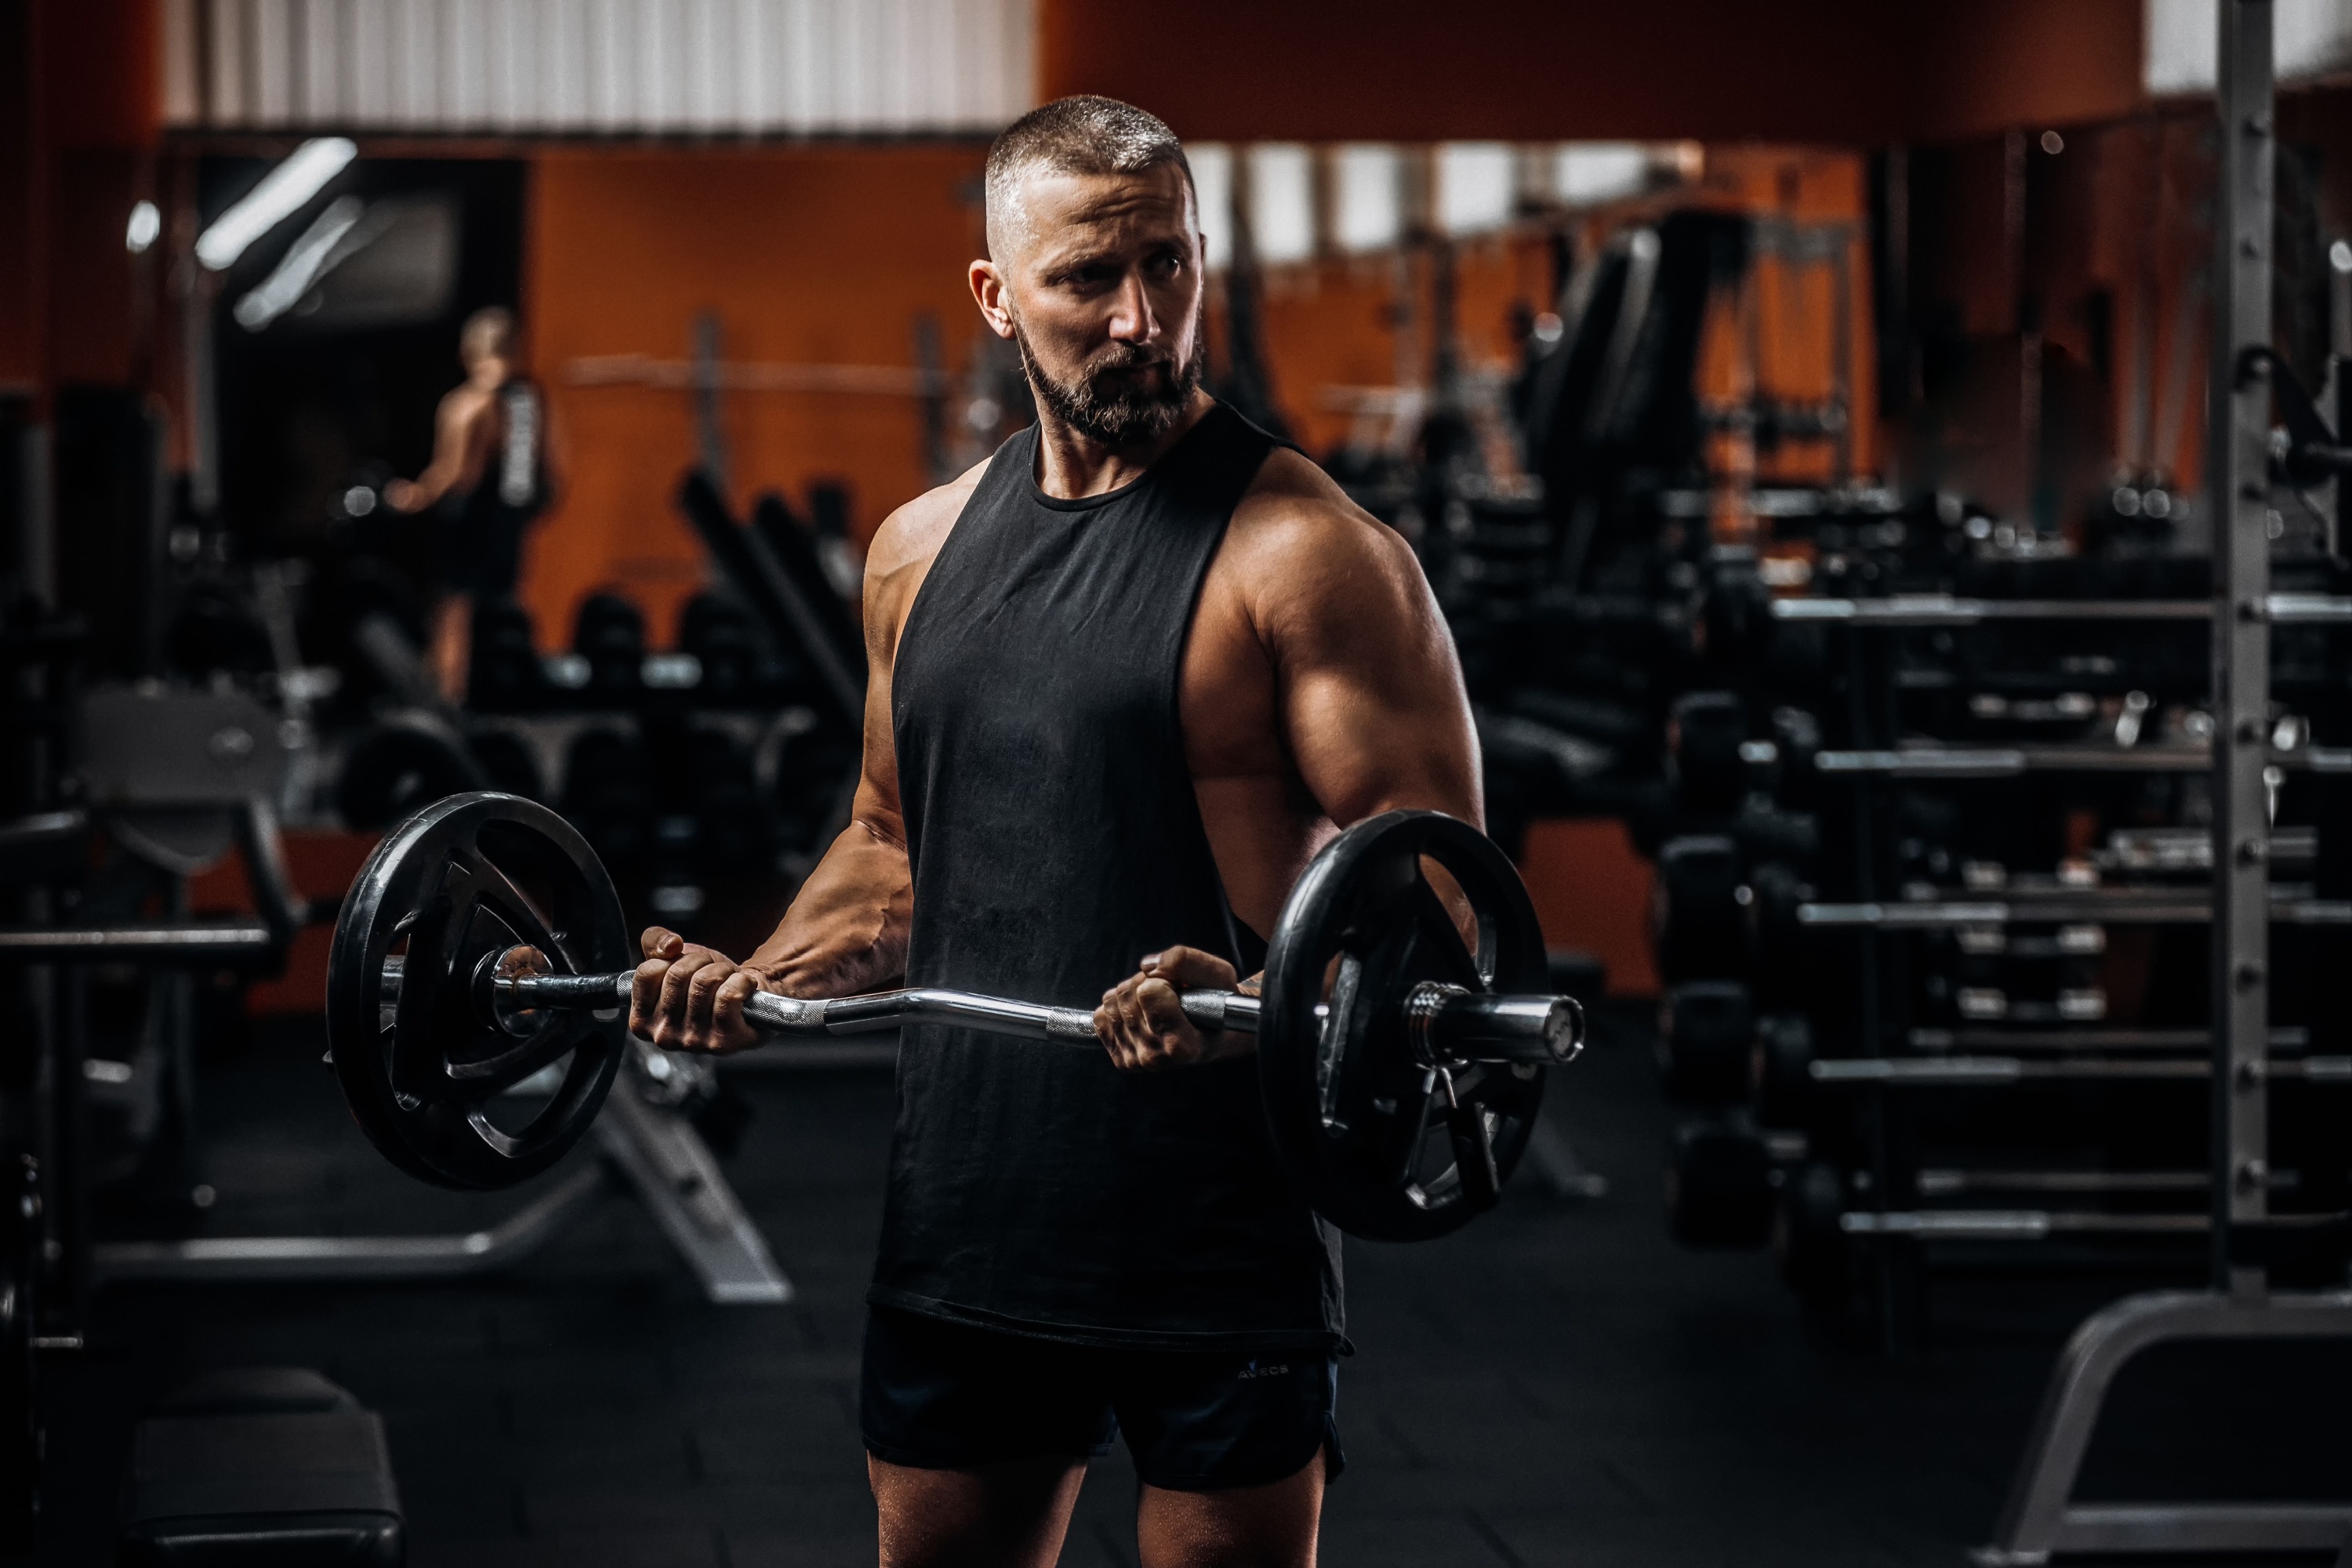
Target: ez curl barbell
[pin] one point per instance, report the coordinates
(1401, 1071)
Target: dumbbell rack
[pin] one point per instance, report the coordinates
(2040, 1517)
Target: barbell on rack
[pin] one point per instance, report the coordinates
(483, 943)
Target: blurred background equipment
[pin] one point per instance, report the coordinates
(1934, 745)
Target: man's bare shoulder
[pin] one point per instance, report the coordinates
(1297, 533)
(464, 403)
(911, 535)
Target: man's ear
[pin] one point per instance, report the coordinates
(989, 292)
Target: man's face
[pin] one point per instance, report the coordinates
(1103, 293)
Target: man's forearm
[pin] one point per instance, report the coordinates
(846, 930)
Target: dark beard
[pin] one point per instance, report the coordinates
(1110, 408)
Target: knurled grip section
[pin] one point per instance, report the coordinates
(1070, 1023)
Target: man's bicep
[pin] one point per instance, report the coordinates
(1372, 698)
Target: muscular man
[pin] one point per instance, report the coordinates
(487, 476)
(1128, 676)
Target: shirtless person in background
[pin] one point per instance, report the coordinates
(488, 479)
(1128, 676)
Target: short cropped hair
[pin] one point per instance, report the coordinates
(1080, 135)
(489, 331)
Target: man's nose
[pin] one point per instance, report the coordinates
(1131, 320)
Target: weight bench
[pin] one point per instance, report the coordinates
(181, 778)
(651, 1146)
(262, 1467)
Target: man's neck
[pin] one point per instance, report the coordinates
(1072, 465)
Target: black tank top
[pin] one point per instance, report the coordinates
(1055, 840)
(512, 489)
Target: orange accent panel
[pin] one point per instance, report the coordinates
(322, 866)
(1592, 891)
(818, 255)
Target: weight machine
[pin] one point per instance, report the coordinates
(185, 775)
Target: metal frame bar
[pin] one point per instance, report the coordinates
(2039, 1519)
(2239, 453)
(343, 1259)
(2109, 907)
(1998, 1040)
(1947, 610)
(1942, 762)
(655, 1150)
(1978, 1072)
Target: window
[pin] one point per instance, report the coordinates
(1282, 202)
(1475, 187)
(1366, 197)
(1589, 172)
(1213, 181)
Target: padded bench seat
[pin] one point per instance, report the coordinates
(271, 1467)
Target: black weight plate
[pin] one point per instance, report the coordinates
(1364, 1131)
(401, 766)
(457, 885)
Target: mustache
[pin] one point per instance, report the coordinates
(1132, 356)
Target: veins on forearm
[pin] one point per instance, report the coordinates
(847, 930)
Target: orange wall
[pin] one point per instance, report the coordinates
(1852, 71)
(808, 254)
(321, 865)
(1333, 323)
(1593, 892)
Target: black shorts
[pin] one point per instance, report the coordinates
(940, 1396)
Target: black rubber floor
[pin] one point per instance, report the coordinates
(1558, 1385)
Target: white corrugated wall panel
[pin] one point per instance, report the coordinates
(463, 53)
(415, 64)
(225, 55)
(269, 38)
(616, 67)
(563, 64)
(368, 61)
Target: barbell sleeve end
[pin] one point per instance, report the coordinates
(1545, 1031)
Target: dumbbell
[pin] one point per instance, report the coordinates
(506, 759)
(1791, 778)
(719, 633)
(610, 634)
(1706, 1033)
(713, 778)
(1808, 1237)
(401, 762)
(608, 791)
(1698, 907)
(1781, 1069)
(483, 942)
(1718, 1183)
(503, 674)
(1704, 732)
